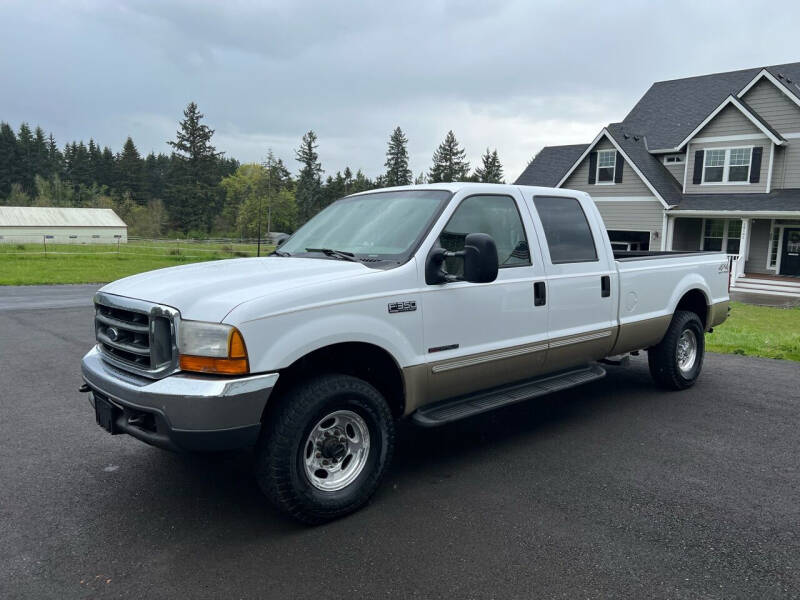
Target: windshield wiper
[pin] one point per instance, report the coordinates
(340, 254)
(279, 253)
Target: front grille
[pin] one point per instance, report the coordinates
(135, 335)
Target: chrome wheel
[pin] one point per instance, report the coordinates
(336, 450)
(686, 351)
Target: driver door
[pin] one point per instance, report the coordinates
(481, 335)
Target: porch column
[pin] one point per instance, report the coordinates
(744, 247)
(670, 233)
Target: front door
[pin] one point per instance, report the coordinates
(481, 335)
(790, 257)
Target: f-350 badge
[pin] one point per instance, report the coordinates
(407, 306)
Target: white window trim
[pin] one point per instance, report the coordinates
(726, 167)
(725, 237)
(681, 159)
(613, 168)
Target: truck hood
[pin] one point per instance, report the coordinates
(208, 291)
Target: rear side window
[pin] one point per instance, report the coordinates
(566, 229)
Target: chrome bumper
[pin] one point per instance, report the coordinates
(183, 404)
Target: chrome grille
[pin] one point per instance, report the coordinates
(136, 336)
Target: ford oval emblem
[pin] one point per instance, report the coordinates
(112, 333)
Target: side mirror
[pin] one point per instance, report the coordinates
(479, 256)
(281, 240)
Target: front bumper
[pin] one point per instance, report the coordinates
(181, 411)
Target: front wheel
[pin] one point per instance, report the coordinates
(325, 449)
(676, 361)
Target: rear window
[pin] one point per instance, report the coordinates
(566, 229)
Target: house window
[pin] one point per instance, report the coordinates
(727, 165)
(606, 164)
(674, 159)
(722, 235)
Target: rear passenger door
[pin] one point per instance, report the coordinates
(581, 280)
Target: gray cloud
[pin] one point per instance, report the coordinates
(511, 75)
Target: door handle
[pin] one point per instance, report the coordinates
(539, 293)
(605, 286)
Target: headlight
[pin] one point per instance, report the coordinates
(211, 348)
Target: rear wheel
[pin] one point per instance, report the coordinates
(325, 448)
(675, 362)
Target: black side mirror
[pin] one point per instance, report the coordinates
(480, 258)
(480, 261)
(281, 240)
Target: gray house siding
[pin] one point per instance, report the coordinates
(676, 171)
(748, 188)
(786, 171)
(773, 105)
(687, 233)
(759, 246)
(729, 121)
(633, 215)
(631, 184)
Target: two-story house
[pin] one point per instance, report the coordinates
(702, 163)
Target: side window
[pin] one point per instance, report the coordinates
(496, 215)
(566, 229)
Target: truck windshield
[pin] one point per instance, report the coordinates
(381, 226)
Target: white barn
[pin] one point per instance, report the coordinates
(34, 224)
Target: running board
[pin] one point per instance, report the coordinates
(461, 407)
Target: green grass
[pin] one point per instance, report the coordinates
(758, 331)
(26, 264)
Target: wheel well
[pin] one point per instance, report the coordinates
(371, 363)
(695, 301)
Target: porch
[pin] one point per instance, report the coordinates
(765, 252)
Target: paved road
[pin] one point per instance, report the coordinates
(612, 490)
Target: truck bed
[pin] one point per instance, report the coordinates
(629, 255)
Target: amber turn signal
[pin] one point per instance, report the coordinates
(235, 363)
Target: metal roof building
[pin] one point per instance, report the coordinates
(34, 224)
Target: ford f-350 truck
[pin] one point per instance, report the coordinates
(434, 302)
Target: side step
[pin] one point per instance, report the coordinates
(454, 409)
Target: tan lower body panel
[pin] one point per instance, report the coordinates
(717, 313)
(466, 374)
(640, 334)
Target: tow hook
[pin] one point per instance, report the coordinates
(84, 388)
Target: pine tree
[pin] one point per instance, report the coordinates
(449, 162)
(129, 171)
(397, 171)
(420, 179)
(25, 167)
(8, 154)
(55, 160)
(95, 161)
(39, 153)
(194, 174)
(490, 171)
(309, 182)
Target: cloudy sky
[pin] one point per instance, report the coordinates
(513, 75)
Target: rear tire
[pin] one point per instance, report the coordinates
(325, 448)
(675, 362)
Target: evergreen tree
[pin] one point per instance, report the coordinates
(55, 160)
(95, 161)
(420, 179)
(105, 172)
(129, 172)
(39, 153)
(25, 167)
(449, 162)
(309, 183)
(194, 173)
(8, 155)
(490, 171)
(397, 171)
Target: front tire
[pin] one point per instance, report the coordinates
(325, 448)
(675, 362)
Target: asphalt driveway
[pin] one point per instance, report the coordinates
(615, 489)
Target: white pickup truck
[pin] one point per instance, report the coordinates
(434, 302)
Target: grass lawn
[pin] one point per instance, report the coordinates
(758, 331)
(70, 263)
